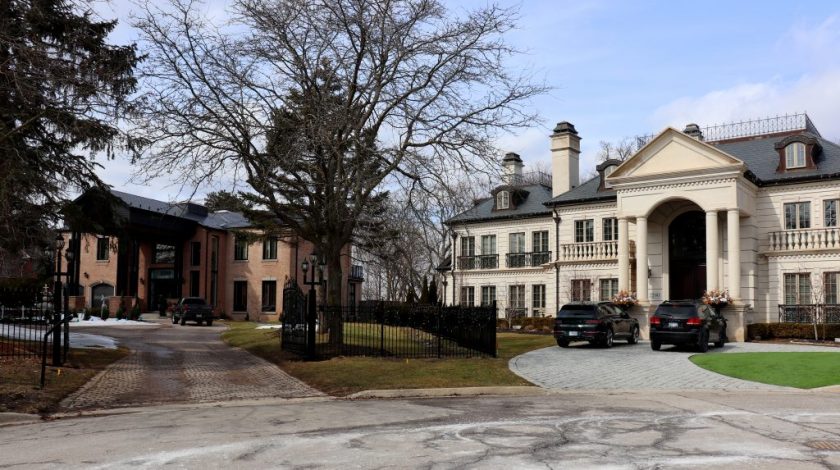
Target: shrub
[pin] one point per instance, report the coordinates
(792, 331)
(502, 324)
(534, 323)
(86, 314)
(105, 313)
(121, 313)
(135, 311)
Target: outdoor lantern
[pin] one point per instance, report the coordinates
(323, 265)
(304, 266)
(313, 258)
(59, 242)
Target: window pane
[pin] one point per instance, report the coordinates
(790, 289)
(804, 215)
(164, 254)
(830, 287)
(590, 230)
(538, 296)
(540, 242)
(790, 216)
(830, 213)
(488, 245)
(805, 288)
(517, 243)
(269, 296)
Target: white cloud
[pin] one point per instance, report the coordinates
(817, 93)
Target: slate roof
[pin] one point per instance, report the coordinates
(533, 206)
(218, 220)
(586, 192)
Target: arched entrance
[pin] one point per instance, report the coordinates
(99, 294)
(687, 255)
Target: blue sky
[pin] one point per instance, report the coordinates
(623, 68)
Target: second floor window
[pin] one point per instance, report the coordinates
(610, 229)
(798, 288)
(584, 231)
(795, 155)
(517, 243)
(102, 249)
(488, 244)
(240, 249)
(270, 248)
(488, 295)
(468, 246)
(164, 254)
(830, 213)
(195, 253)
(468, 296)
(797, 215)
(538, 296)
(540, 241)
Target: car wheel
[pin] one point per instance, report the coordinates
(563, 343)
(721, 340)
(174, 320)
(183, 321)
(655, 345)
(210, 322)
(703, 344)
(634, 338)
(608, 341)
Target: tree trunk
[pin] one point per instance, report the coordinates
(334, 283)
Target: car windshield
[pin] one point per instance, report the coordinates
(577, 312)
(677, 311)
(193, 301)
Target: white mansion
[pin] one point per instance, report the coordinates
(749, 207)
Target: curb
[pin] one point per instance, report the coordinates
(523, 390)
(11, 419)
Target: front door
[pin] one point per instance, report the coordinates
(162, 286)
(687, 255)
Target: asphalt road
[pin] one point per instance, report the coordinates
(746, 429)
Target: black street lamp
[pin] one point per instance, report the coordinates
(557, 220)
(317, 265)
(61, 302)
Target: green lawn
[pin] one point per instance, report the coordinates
(791, 369)
(345, 375)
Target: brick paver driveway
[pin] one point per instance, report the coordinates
(176, 364)
(636, 367)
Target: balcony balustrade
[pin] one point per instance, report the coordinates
(478, 262)
(522, 260)
(809, 239)
(591, 251)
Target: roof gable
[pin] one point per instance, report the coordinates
(674, 153)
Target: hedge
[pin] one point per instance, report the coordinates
(792, 330)
(527, 323)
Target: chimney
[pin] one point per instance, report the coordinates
(693, 130)
(512, 169)
(565, 156)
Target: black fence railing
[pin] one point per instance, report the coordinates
(404, 331)
(478, 262)
(809, 313)
(521, 260)
(21, 337)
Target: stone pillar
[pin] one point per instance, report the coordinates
(733, 237)
(641, 259)
(623, 255)
(712, 250)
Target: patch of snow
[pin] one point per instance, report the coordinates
(269, 327)
(77, 340)
(96, 321)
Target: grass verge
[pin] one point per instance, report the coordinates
(790, 369)
(346, 375)
(20, 379)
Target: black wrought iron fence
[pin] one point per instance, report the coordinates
(809, 313)
(404, 331)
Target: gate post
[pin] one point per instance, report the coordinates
(310, 324)
(439, 332)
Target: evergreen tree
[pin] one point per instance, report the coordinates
(411, 296)
(424, 292)
(62, 89)
(226, 200)
(434, 298)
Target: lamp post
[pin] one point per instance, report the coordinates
(310, 302)
(557, 219)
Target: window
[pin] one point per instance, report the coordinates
(538, 296)
(195, 253)
(164, 254)
(610, 229)
(609, 289)
(214, 271)
(240, 249)
(516, 296)
(468, 295)
(503, 200)
(517, 243)
(240, 296)
(540, 241)
(797, 215)
(270, 248)
(269, 296)
(830, 212)
(488, 295)
(798, 288)
(584, 231)
(468, 246)
(102, 249)
(830, 288)
(795, 155)
(581, 290)
(195, 284)
(488, 244)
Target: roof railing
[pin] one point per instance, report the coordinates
(750, 128)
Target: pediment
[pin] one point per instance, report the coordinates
(673, 153)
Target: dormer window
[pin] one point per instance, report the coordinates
(795, 155)
(503, 200)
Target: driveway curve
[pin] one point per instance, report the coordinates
(182, 364)
(636, 367)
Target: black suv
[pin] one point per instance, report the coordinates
(686, 322)
(599, 323)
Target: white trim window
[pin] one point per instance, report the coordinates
(581, 290)
(830, 288)
(584, 231)
(795, 155)
(797, 288)
(468, 296)
(797, 215)
(516, 296)
(503, 200)
(610, 229)
(488, 244)
(830, 212)
(538, 296)
(609, 289)
(488, 295)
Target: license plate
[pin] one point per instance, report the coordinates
(673, 324)
(573, 333)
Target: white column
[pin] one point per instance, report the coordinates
(733, 238)
(641, 259)
(623, 255)
(712, 250)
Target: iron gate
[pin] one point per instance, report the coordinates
(294, 331)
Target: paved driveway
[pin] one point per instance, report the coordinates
(636, 367)
(182, 364)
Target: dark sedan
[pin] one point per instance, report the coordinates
(600, 323)
(686, 323)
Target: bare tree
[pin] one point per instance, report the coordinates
(621, 150)
(320, 103)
